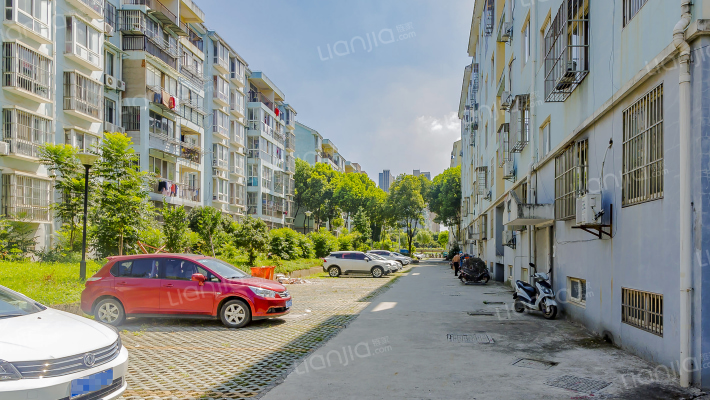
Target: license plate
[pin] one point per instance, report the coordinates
(288, 303)
(91, 383)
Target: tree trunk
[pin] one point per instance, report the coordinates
(212, 245)
(120, 244)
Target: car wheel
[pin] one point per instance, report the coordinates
(377, 272)
(400, 263)
(334, 272)
(235, 314)
(485, 279)
(110, 311)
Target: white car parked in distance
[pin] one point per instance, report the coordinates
(51, 354)
(391, 256)
(394, 265)
(353, 262)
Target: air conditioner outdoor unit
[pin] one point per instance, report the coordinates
(108, 29)
(505, 100)
(567, 80)
(121, 85)
(508, 170)
(589, 209)
(507, 31)
(110, 81)
(4, 148)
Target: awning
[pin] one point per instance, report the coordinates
(519, 214)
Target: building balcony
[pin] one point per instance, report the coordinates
(290, 165)
(256, 97)
(160, 12)
(182, 191)
(221, 64)
(190, 152)
(27, 24)
(165, 144)
(83, 97)
(220, 164)
(237, 109)
(92, 8)
(162, 98)
(195, 103)
(329, 147)
(192, 73)
(237, 78)
(26, 198)
(220, 98)
(83, 50)
(109, 127)
(157, 47)
(189, 12)
(290, 143)
(237, 170)
(27, 73)
(518, 214)
(25, 132)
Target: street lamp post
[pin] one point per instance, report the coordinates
(308, 220)
(86, 159)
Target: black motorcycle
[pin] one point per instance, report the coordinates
(473, 270)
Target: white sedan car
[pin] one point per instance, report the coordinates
(353, 262)
(391, 256)
(394, 265)
(51, 354)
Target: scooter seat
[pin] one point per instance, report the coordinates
(526, 287)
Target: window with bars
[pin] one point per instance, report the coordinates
(25, 132)
(643, 310)
(483, 226)
(503, 141)
(631, 8)
(482, 180)
(519, 123)
(577, 291)
(571, 175)
(567, 50)
(642, 176)
(26, 198)
(83, 95)
(131, 118)
(28, 70)
(489, 17)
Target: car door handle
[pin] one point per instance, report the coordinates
(123, 283)
(168, 285)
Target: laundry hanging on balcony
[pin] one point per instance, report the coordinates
(165, 98)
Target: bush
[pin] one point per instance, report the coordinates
(323, 242)
(364, 247)
(58, 255)
(305, 245)
(384, 245)
(346, 242)
(284, 243)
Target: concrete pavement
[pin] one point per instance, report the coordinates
(430, 337)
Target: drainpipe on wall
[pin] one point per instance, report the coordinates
(533, 127)
(686, 223)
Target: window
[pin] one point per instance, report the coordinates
(83, 95)
(180, 270)
(336, 255)
(488, 17)
(131, 117)
(35, 15)
(83, 141)
(25, 132)
(267, 175)
(252, 175)
(140, 268)
(524, 275)
(25, 69)
(520, 123)
(109, 110)
(220, 123)
(159, 125)
(642, 178)
(526, 41)
(83, 40)
(570, 179)
(161, 168)
(108, 68)
(567, 50)
(545, 139)
(577, 291)
(631, 8)
(26, 197)
(643, 310)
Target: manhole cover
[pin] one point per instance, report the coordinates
(578, 384)
(535, 364)
(481, 338)
(474, 313)
(493, 302)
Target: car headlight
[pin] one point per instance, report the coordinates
(8, 372)
(262, 292)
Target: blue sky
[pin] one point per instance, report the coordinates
(392, 107)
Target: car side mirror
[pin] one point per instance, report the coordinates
(199, 278)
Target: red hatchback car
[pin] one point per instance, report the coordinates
(181, 285)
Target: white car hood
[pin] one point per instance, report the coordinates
(51, 334)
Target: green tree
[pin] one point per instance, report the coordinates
(17, 238)
(443, 239)
(423, 238)
(175, 228)
(68, 175)
(252, 236)
(323, 242)
(207, 222)
(122, 205)
(444, 199)
(304, 198)
(405, 205)
(285, 243)
(361, 224)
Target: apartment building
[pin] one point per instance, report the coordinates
(270, 147)
(385, 180)
(581, 154)
(352, 167)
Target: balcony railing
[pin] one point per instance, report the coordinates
(109, 127)
(290, 142)
(196, 40)
(256, 97)
(162, 98)
(83, 95)
(190, 152)
(236, 169)
(27, 70)
(26, 198)
(143, 43)
(220, 163)
(162, 14)
(180, 190)
(96, 6)
(25, 132)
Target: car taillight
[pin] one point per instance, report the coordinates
(324, 260)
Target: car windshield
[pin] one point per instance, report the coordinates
(223, 269)
(14, 305)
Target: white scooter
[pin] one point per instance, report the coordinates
(541, 297)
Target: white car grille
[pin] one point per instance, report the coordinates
(67, 365)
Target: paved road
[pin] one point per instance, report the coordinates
(418, 341)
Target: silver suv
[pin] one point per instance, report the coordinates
(392, 256)
(353, 262)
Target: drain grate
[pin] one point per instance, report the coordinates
(534, 364)
(480, 338)
(578, 384)
(475, 313)
(493, 302)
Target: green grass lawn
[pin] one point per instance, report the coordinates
(59, 283)
(44, 282)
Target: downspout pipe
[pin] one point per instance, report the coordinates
(686, 222)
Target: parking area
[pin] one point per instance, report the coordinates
(188, 359)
